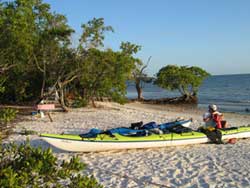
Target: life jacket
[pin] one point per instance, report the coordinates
(217, 119)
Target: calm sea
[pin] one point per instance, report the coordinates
(230, 92)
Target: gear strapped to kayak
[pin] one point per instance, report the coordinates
(153, 125)
(139, 130)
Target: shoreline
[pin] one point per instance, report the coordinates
(245, 110)
(198, 107)
(201, 165)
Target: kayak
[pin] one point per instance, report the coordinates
(116, 141)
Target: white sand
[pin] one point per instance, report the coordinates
(204, 165)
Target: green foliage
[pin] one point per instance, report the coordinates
(7, 115)
(2, 89)
(32, 39)
(79, 102)
(21, 85)
(25, 166)
(129, 49)
(138, 74)
(35, 52)
(28, 132)
(104, 74)
(35, 56)
(17, 30)
(185, 79)
(93, 33)
(83, 182)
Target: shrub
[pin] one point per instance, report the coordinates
(186, 80)
(25, 166)
(80, 102)
(7, 115)
(26, 132)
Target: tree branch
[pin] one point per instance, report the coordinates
(5, 68)
(37, 64)
(69, 80)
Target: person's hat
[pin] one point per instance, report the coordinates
(212, 107)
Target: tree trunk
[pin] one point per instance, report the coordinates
(139, 91)
(93, 102)
(44, 79)
(61, 98)
(190, 98)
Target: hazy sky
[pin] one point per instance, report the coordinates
(212, 34)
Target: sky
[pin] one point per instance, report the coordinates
(211, 34)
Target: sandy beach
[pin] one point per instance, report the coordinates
(203, 165)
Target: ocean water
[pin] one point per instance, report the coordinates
(230, 92)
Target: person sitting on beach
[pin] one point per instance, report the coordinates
(213, 118)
